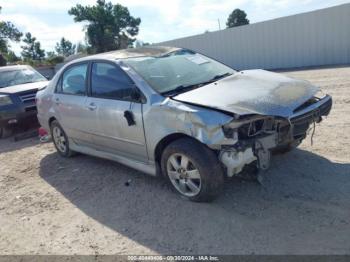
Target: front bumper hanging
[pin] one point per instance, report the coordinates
(259, 148)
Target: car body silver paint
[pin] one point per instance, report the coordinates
(202, 124)
(250, 92)
(253, 92)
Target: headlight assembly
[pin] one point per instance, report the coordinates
(230, 132)
(5, 100)
(320, 94)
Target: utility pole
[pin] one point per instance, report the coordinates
(219, 24)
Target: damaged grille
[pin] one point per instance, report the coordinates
(306, 104)
(256, 127)
(287, 129)
(28, 97)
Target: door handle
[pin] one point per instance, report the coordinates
(92, 106)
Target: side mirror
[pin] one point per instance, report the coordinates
(47, 77)
(136, 96)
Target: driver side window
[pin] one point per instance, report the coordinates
(110, 82)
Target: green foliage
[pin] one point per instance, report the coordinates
(83, 48)
(11, 57)
(53, 60)
(3, 61)
(8, 32)
(237, 18)
(50, 54)
(109, 26)
(40, 53)
(65, 47)
(32, 48)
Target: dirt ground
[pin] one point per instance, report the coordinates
(51, 205)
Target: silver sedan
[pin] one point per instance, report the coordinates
(179, 114)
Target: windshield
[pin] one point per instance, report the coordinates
(19, 76)
(177, 71)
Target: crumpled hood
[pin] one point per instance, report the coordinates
(24, 87)
(253, 92)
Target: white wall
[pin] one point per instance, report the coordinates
(321, 37)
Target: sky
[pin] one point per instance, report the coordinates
(161, 20)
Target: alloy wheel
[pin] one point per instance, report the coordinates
(59, 139)
(183, 174)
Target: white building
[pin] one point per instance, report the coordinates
(316, 38)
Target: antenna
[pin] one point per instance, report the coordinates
(219, 24)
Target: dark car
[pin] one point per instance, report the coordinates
(18, 87)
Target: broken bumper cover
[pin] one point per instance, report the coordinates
(259, 148)
(301, 120)
(234, 160)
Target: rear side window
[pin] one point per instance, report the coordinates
(111, 82)
(73, 80)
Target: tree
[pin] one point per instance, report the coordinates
(65, 47)
(8, 32)
(12, 57)
(110, 27)
(50, 54)
(32, 50)
(139, 43)
(82, 48)
(40, 53)
(237, 18)
(3, 61)
(53, 59)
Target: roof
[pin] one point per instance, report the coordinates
(134, 52)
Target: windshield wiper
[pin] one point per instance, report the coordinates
(28, 82)
(186, 88)
(216, 78)
(180, 89)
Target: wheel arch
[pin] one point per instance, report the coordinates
(163, 143)
(51, 119)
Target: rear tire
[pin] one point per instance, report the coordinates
(60, 140)
(193, 170)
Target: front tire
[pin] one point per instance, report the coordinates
(193, 170)
(287, 148)
(60, 140)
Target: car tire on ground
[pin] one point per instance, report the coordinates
(193, 170)
(5, 132)
(60, 140)
(286, 148)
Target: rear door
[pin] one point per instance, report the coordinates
(117, 117)
(70, 101)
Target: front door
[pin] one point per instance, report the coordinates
(118, 119)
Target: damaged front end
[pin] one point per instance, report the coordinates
(271, 111)
(257, 136)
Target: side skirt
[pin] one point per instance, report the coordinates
(149, 169)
